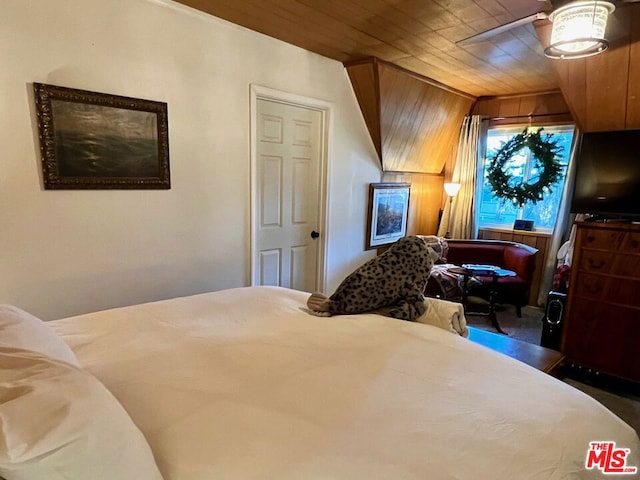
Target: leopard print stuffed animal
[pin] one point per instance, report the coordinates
(391, 284)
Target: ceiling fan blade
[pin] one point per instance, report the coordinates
(478, 37)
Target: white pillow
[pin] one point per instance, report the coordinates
(22, 330)
(58, 422)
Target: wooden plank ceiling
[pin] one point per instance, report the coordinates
(418, 35)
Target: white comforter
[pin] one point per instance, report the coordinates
(242, 384)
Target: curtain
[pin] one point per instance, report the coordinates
(458, 216)
(562, 228)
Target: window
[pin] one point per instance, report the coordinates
(501, 213)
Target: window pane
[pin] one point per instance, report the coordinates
(494, 212)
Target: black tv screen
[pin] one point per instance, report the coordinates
(608, 174)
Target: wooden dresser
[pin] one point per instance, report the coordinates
(602, 324)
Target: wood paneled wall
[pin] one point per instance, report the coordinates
(425, 200)
(603, 91)
(541, 108)
(414, 122)
(540, 241)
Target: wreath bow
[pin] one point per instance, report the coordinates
(545, 151)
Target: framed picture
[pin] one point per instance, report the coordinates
(92, 140)
(388, 211)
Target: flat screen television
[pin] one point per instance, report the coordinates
(607, 182)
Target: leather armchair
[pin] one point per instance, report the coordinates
(513, 256)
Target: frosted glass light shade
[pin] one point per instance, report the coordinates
(452, 189)
(578, 29)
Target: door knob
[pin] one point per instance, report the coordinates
(314, 234)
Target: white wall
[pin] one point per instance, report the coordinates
(69, 252)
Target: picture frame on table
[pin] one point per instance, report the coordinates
(388, 213)
(91, 140)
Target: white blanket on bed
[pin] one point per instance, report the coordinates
(446, 315)
(241, 384)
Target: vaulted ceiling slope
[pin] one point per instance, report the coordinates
(414, 123)
(418, 35)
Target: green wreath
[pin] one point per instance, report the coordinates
(545, 151)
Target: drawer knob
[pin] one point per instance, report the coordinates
(594, 265)
(593, 288)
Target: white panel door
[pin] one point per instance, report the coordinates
(288, 192)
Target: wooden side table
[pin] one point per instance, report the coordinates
(493, 291)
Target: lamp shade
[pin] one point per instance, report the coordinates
(578, 29)
(452, 189)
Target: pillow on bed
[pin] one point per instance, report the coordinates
(58, 422)
(22, 330)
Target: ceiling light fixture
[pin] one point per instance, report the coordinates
(578, 29)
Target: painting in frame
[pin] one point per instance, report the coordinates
(91, 140)
(388, 213)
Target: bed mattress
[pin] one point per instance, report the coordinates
(244, 384)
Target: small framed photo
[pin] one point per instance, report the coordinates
(91, 140)
(388, 212)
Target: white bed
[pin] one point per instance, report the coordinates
(243, 384)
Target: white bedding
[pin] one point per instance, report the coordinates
(242, 384)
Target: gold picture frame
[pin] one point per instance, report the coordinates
(91, 140)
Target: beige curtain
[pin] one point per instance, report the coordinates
(458, 217)
(562, 228)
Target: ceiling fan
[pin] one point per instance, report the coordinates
(561, 47)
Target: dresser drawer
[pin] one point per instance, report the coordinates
(604, 338)
(603, 239)
(602, 325)
(609, 289)
(597, 261)
(631, 243)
